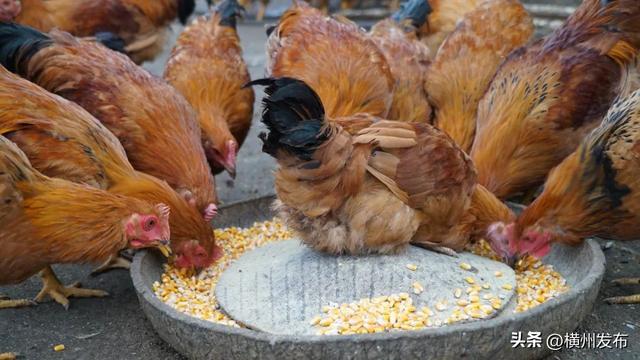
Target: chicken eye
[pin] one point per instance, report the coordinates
(149, 224)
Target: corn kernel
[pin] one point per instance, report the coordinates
(469, 280)
(507, 287)
(59, 347)
(457, 293)
(412, 267)
(465, 266)
(497, 273)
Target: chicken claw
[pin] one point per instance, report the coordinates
(8, 356)
(439, 249)
(113, 263)
(631, 299)
(53, 288)
(6, 303)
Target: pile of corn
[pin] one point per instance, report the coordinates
(195, 295)
(397, 312)
(536, 282)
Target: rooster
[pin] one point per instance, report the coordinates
(45, 221)
(62, 140)
(444, 16)
(390, 184)
(206, 66)
(408, 60)
(141, 25)
(595, 191)
(156, 125)
(335, 57)
(467, 61)
(547, 96)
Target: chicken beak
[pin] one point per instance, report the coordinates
(231, 169)
(511, 260)
(165, 250)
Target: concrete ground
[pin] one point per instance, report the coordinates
(115, 328)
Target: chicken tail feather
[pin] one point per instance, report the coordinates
(294, 116)
(412, 12)
(18, 44)
(111, 40)
(185, 9)
(228, 12)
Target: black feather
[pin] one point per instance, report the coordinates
(185, 9)
(230, 11)
(416, 11)
(111, 40)
(294, 116)
(269, 29)
(18, 44)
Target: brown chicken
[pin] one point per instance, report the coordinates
(408, 60)
(335, 57)
(443, 19)
(468, 60)
(595, 191)
(155, 124)
(62, 140)
(45, 221)
(547, 96)
(390, 184)
(206, 66)
(141, 25)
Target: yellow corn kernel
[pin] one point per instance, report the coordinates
(412, 267)
(59, 347)
(457, 293)
(469, 280)
(465, 266)
(507, 287)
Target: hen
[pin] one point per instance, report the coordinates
(141, 25)
(206, 66)
(62, 140)
(595, 191)
(443, 19)
(547, 96)
(467, 61)
(408, 60)
(390, 184)
(333, 56)
(156, 126)
(45, 221)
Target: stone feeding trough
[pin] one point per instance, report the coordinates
(280, 326)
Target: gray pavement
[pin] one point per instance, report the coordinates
(115, 328)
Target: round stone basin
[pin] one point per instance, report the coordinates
(582, 267)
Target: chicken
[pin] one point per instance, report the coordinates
(547, 96)
(45, 221)
(206, 66)
(390, 184)
(595, 191)
(155, 124)
(335, 57)
(467, 61)
(141, 25)
(62, 140)
(408, 60)
(443, 19)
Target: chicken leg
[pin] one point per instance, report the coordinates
(53, 288)
(631, 299)
(113, 263)
(6, 303)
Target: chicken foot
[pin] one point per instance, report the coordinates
(6, 303)
(631, 299)
(60, 293)
(113, 263)
(8, 356)
(436, 248)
